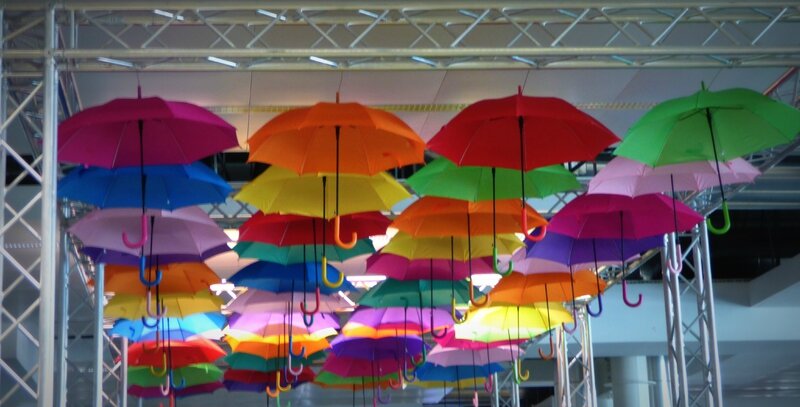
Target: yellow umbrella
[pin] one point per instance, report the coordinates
(178, 305)
(499, 323)
(273, 350)
(403, 244)
(365, 331)
(463, 384)
(278, 190)
(298, 335)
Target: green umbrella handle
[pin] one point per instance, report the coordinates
(496, 265)
(422, 360)
(726, 216)
(338, 283)
(453, 313)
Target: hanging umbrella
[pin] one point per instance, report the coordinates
(405, 245)
(330, 380)
(520, 289)
(255, 322)
(184, 353)
(450, 341)
(179, 305)
(395, 293)
(276, 277)
(191, 375)
(274, 333)
(456, 373)
(401, 268)
(443, 356)
(294, 254)
(278, 350)
(265, 301)
(208, 325)
(175, 278)
(718, 126)
(374, 349)
(155, 392)
(266, 378)
(585, 253)
(167, 186)
(345, 366)
(395, 319)
(496, 323)
(246, 361)
(101, 255)
(286, 230)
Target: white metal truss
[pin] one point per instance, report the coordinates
(505, 392)
(312, 35)
(575, 378)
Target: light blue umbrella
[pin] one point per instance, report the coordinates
(279, 278)
(179, 328)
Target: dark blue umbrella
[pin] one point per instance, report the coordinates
(278, 278)
(434, 373)
(167, 186)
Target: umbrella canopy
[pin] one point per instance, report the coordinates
(246, 361)
(401, 268)
(416, 293)
(497, 323)
(178, 305)
(520, 289)
(375, 349)
(175, 278)
(167, 186)
(278, 350)
(359, 367)
(621, 217)
(442, 178)
(333, 381)
(443, 356)
(443, 217)
(300, 253)
(407, 246)
(265, 301)
(449, 340)
(276, 333)
(276, 277)
(267, 378)
(256, 322)
(183, 353)
(584, 253)
(680, 130)
(286, 230)
(112, 135)
(192, 375)
(624, 176)
(182, 231)
(393, 320)
(279, 190)
(208, 324)
(100, 255)
(453, 373)
(307, 140)
(155, 392)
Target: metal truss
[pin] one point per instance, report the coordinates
(575, 379)
(313, 35)
(505, 392)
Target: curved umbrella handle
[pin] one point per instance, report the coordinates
(159, 312)
(308, 320)
(433, 328)
(488, 385)
(337, 223)
(625, 296)
(380, 398)
(519, 376)
(397, 385)
(174, 385)
(422, 359)
(726, 216)
(475, 400)
(496, 265)
(454, 315)
(143, 279)
(147, 324)
(472, 297)
(549, 355)
(338, 283)
(408, 377)
(599, 309)
(675, 265)
(142, 240)
(300, 355)
(313, 311)
(533, 238)
(163, 371)
(278, 383)
(273, 393)
(166, 387)
(294, 372)
(574, 323)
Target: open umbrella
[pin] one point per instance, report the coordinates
(269, 350)
(101, 255)
(207, 324)
(587, 252)
(718, 126)
(266, 378)
(295, 254)
(497, 323)
(178, 305)
(191, 375)
(256, 321)
(156, 392)
(239, 360)
(450, 341)
(381, 321)
(175, 278)
(276, 277)
(426, 248)
(184, 353)
(401, 268)
(345, 366)
(373, 349)
(444, 356)
(285, 230)
(395, 293)
(265, 301)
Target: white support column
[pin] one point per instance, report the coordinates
(99, 342)
(587, 359)
(49, 253)
(562, 380)
(574, 380)
(629, 381)
(124, 374)
(63, 323)
(679, 387)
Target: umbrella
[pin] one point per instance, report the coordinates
(256, 322)
(588, 252)
(179, 305)
(395, 318)
(285, 230)
(381, 348)
(450, 341)
(191, 375)
(330, 380)
(718, 126)
(276, 277)
(184, 353)
(101, 255)
(155, 392)
(268, 350)
(345, 366)
(207, 324)
(401, 268)
(266, 378)
(167, 186)
(494, 323)
(265, 301)
(239, 360)
(295, 254)
(366, 140)
(405, 245)
(456, 373)
(540, 131)
(395, 293)
(279, 332)
(444, 356)
(175, 278)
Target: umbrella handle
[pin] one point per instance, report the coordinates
(574, 323)
(147, 324)
(159, 313)
(316, 308)
(166, 387)
(308, 320)
(328, 283)
(625, 296)
(726, 216)
(294, 373)
(397, 385)
(496, 265)
(337, 223)
(273, 393)
(174, 385)
(453, 313)
(409, 378)
(423, 359)
(519, 376)
(143, 279)
(546, 356)
(488, 385)
(440, 335)
(599, 309)
(531, 237)
(163, 371)
(475, 401)
(472, 297)
(300, 355)
(278, 383)
(142, 240)
(380, 398)
(675, 265)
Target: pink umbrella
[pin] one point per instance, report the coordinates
(449, 340)
(255, 322)
(444, 356)
(268, 302)
(417, 319)
(401, 268)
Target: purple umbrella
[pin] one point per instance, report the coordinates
(358, 367)
(401, 268)
(256, 321)
(99, 255)
(443, 356)
(155, 392)
(367, 348)
(587, 253)
(398, 318)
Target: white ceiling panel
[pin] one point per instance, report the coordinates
(575, 86)
(657, 85)
(379, 87)
(471, 86)
(293, 88)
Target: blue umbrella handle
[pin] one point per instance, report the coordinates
(496, 265)
(380, 398)
(726, 216)
(308, 320)
(174, 384)
(599, 309)
(625, 296)
(147, 324)
(143, 279)
(142, 240)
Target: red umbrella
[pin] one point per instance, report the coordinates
(521, 132)
(268, 378)
(183, 353)
(287, 230)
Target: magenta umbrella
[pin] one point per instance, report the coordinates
(358, 367)
(401, 268)
(449, 340)
(257, 301)
(256, 321)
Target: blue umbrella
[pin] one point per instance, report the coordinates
(434, 373)
(168, 186)
(182, 328)
(278, 278)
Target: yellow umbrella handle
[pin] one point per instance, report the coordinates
(472, 297)
(338, 283)
(163, 371)
(337, 223)
(453, 313)
(519, 376)
(278, 383)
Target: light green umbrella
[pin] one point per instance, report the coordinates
(707, 125)
(193, 375)
(294, 254)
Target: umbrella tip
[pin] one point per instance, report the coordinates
(139, 91)
(337, 96)
(519, 90)
(703, 85)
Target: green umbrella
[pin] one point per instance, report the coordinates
(396, 293)
(246, 361)
(325, 378)
(193, 375)
(294, 254)
(710, 126)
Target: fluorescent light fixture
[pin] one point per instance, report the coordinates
(347, 299)
(368, 13)
(323, 61)
(117, 62)
(366, 278)
(524, 60)
(223, 62)
(425, 61)
(167, 14)
(271, 14)
(233, 234)
(222, 287)
(486, 280)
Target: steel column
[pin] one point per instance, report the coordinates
(63, 321)
(99, 288)
(572, 390)
(123, 391)
(3, 138)
(679, 386)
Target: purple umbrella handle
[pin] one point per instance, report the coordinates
(294, 372)
(574, 323)
(379, 396)
(142, 240)
(599, 309)
(488, 385)
(533, 238)
(625, 296)
(409, 378)
(675, 264)
(726, 217)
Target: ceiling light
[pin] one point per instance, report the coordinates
(425, 61)
(366, 278)
(117, 62)
(271, 14)
(223, 62)
(167, 14)
(368, 13)
(323, 61)
(524, 60)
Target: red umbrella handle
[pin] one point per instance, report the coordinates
(316, 308)
(398, 384)
(533, 238)
(337, 224)
(142, 240)
(625, 296)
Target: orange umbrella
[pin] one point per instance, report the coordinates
(273, 350)
(175, 278)
(521, 289)
(336, 137)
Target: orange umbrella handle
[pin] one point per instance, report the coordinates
(453, 313)
(548, 356)
(533, 238)
(397, 385)
(338, 283)
(273, 393)
(316, 308)
(472, 297)
(278, 383)
(336, 237)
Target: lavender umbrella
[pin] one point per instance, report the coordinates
(443, 356)
(401, 268)
(358, 367)
(587, 253)
(257, 321)
(398, 318)
(265, 301)
(100, 255)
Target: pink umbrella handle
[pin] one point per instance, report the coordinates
(472, 297)
(531, 237)
(726, 217)
(396, 384)
(675, 264)
(625, 296)
(475, 401)
(574, 323)
(337, 223)
(166, 387)
(488, 385)
(316, 308)
(159, 313)
(142, 240)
